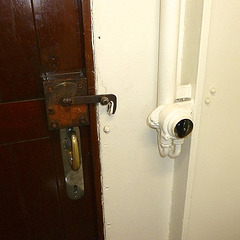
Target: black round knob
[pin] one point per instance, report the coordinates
(183, 128)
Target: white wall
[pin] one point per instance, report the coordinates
(213, 193)
(146, 197)
(137, 183)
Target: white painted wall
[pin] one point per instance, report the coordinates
(213, 192)
(146, 197)
(137, 183)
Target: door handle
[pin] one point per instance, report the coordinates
(66, 101)
(75, 162)
(72, 162)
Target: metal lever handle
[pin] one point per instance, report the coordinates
(90, 99)
(75, 163)
(72, 162)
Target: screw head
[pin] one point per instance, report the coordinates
(106, 129)
(213, 90)
(54, 125)
(50, 89)
(50, 109)
(207, 100)
(104, 101)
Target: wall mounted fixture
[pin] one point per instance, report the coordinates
(173, 123)
(173, 117)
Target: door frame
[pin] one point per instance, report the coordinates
(86, 14)
(200, 81)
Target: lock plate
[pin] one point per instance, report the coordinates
(61, 115)
(74, 180)
(67, 102)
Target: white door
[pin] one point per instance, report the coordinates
(214, 210)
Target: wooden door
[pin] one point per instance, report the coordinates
(40, 38)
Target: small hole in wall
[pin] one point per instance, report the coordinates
(99, 37)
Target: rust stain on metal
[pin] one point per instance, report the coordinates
(67, 116)
(62, 115)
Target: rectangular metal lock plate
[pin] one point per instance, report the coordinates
(62, 114)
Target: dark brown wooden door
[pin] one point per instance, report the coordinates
(43, 38)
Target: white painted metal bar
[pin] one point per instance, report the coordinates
(168, 50)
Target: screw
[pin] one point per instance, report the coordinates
(51, 110)
(213, 90)
(104, 101)
(50, 89)
(64, 84)
(106, 129)
(54, 125)
(207, 100)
